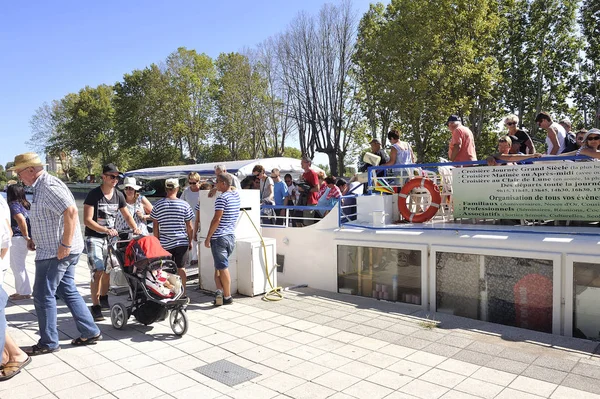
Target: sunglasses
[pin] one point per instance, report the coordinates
(129, 188)
(511, 123)
(112, 177)
(593, 138)
(502, 141)
(193, 183)
(19, 173)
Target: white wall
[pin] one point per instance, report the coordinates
(310, 253)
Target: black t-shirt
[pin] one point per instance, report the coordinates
(105, 210)
(384, 159)
(523, 138)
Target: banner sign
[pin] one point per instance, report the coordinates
(559, 191)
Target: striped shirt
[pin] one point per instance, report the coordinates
(171, 216)
(228, 202)
(51, 198)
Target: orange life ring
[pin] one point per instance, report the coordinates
(436, 200)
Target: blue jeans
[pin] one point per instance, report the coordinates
(222, 248)
(54, 276)
(3, 302)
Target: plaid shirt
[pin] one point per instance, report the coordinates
(51, 198)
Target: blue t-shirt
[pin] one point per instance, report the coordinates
(15, 209)
(280, 191)
(229, 203)
(171, 216)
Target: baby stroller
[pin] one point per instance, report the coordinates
(154, 287)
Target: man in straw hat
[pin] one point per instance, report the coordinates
(100, 209)
(56, 238)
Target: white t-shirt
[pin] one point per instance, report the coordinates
(264, 189)
(190, 197)
(5, 229)
(560, 136)
(5, 236)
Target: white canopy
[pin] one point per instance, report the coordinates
(239, 168)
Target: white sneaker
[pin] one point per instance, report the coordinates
(218, 298)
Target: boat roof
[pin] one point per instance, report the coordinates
(239, 168)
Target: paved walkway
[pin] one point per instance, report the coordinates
(311, 345)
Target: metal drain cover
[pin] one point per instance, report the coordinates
(227, 373)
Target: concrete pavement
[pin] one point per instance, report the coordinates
(312, 344)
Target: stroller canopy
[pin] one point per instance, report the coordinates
(143, 250)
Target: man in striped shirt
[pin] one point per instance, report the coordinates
(221, 236)
(172, 219)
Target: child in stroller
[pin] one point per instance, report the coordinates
(154, 287)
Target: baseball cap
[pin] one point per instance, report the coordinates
(172, 183)
(453, 118)
(110, 168)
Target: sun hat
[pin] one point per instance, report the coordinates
(26, 160)
(172, 183)
(129, 182)
(591, 131)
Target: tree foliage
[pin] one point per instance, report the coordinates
(588, 94)
(331, 81)
(421, 61)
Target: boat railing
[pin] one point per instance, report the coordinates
(293, 215)
(384, 180)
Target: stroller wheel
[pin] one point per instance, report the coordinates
(179, 321)
(119, 315)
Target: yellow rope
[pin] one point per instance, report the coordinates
(275, 293)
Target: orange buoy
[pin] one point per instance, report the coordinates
(436, 200)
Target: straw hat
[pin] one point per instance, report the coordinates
(26, 160)
(11, 182)
(129, 182)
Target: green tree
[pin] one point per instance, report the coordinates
(89, 127)
(241, 95)
(588, 94)
(145, 118)
(428, 60)
(377, 103)
(292, 152)
(48, 133)
(192, 77)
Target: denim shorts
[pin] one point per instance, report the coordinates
(96, 248)
(222, 248)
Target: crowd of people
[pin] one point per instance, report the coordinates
(514, 147)
(49, 225)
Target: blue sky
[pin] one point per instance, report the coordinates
(52, 48)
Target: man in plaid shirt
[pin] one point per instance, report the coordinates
(56, 237)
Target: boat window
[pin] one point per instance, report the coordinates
(499, 289)
(382, 273)
(586, 288)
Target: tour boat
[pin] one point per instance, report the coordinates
(516, 245)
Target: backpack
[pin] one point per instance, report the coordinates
(570, 143)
